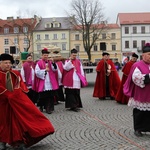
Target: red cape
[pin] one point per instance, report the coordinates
(120, 96)
(20, 119)
(100, 84)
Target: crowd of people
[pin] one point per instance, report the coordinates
(132, 89)
(38, 84)
(42, 84)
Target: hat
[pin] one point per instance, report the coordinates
(146, 48)
(74, 51)
(135, 55)
(6, 57)
(45, 51)
(105, 53)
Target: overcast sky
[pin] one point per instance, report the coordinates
(57, 8)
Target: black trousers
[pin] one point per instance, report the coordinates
(141, 120)
(60, 94)
(33, 96)
(46, 99)
(73, 99)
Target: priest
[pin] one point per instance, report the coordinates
(21, 123)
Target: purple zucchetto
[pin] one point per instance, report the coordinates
(146, 48)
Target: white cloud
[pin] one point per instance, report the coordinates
(55, 8)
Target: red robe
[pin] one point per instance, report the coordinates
(20, 119)
(100, 83)
(121, 97)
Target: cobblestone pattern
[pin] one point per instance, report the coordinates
(100, 125)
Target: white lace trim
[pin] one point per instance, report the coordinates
(138, 78)
(138, 105)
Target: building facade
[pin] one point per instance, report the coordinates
(53, 31)
(109, 40)
(135, 32)
(16, 35)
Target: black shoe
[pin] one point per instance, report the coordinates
(102, 98)
(48, 111)
(20, 147)
(112, 98)
(74, 109)
(41, 108)
(138, 133)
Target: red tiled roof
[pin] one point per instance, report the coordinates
(18, 22)
(134, 18)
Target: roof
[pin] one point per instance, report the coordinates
(64, 21)
(17, 22)
(134, 18)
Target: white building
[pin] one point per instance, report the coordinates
(135, 32)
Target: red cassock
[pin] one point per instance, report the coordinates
(20, 119)
(100, 83)
(120, 97)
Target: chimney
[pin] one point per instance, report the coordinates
(10, 18)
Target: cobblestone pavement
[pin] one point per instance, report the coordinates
(100, 125)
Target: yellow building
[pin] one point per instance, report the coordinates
(52, 31)
(108, 41)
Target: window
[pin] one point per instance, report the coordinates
(126, 44)
(113, 47)
(126, 30)
(16, 30)
(142, 43)
(46, 37)
(25, 49)
(7, 50)
(25, 29)
(38, 47)
(77, 37)
(113, 35)
(143, 29)
(47, 25)
(95, 47)
(17, 50)
(6, 41)
(38, 37)
(77, 47)
(15, 40)
(63, 36)
(134, 30)
(64, 46)
(55, 36)
(102, 46)
(6, 30)
(134, 44)
(103, 35)
(26, 40)
(56, 25)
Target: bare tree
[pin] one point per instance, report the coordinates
(89, 21)
(27, 23)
